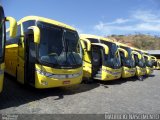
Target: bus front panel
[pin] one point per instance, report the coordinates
(47, 77)
(128, 72)
(128, 63)
(110, 73)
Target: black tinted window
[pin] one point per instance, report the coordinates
(93, 40)
(28, 24)
(19, 30)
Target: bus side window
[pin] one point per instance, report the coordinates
(28, 24)
(136, 59)
(32, 51)
(7, 35)
(19, 30)
(122, 57)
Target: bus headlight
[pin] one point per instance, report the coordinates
(112, 73)
(59, 76)
(107, 71)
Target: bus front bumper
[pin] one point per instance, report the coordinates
(111, 74)
(58, 78)
(128, 72)
(149, 71)
(140, 71)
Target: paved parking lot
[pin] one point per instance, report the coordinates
(120, 96)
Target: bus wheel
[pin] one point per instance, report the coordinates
(140, 78)
(88, 80)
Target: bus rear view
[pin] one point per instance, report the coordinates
(48, 53)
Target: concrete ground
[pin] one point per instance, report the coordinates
(119, 96)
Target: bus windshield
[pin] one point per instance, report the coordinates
(129, 61)
(59, 47)
(141, 62)
(148, 61)
(113, 58)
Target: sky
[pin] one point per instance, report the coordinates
(99, 17)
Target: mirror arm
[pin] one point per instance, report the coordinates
(36, 32)
(12, 27)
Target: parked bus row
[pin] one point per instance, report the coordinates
(45, 53)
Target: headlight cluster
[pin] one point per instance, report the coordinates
(59, 76)
(110, 72)
(138, 68)
(131, 71)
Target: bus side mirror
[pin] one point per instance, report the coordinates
(88, 47)
(88, 44)
(124, 51)
(83, 45)
(106, 50)
(138, 54)
(12, 27)
(36, 32)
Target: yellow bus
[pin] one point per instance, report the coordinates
(154, 60)
(158, 64)
(101, 58)
(128, 62)
(148, 62)
(13, 26)
(44, 54)
(140, 63)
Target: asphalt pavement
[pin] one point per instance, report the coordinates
(118, 96)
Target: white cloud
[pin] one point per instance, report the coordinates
(119, 21)
(138, 21)
(146, 16)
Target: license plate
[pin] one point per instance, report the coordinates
(66, 82)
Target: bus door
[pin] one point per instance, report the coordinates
(30, 56)
(96, 59)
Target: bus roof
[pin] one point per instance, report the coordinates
(144, 51)
(85, 36)
(136, 49)
(122, 44)
(42, 19)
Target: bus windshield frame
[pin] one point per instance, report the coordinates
(59, 47)
(129, 61)
(113, 59)
(141, 61)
